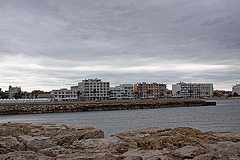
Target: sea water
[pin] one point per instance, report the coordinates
(224, 117)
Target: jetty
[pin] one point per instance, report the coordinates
(76, 106)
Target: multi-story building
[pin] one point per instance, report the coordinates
(192, 90)
(64, 95)
(236, 89)
(123, 91)
(13, 91)
(150, 90)
(93, 89)
(222, 93)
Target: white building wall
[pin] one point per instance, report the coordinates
(193, 90)
(123, 91)
(64, 95)
(236, 89)
(94, 89)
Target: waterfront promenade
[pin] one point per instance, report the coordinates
(57, 107)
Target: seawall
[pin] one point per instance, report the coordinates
(57, 107)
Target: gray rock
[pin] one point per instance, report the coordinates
(27, 155)
(57, 150)
(225, 149)
(145, 154)
(97, 145)
(88, 156)
(133, 158)
(10, 144)
(188, 152)
(37, 143)
(206, 157)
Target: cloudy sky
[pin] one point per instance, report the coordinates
(51, 44)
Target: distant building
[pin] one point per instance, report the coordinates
(236, 89)
(93, 89)
(64, 95)
(222, 93)
(13, 91)
(150, 90)
(123, 91)
(192, 90)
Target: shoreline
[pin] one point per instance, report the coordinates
(61, 142)
(60, 107)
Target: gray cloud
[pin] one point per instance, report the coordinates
(49, 43)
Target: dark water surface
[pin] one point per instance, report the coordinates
(225, 116)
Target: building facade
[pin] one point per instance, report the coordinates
(64, 95)
(93, 89)
(13, 91)
(192, 90)
(236, 89)
(123, 91)
(150, 90)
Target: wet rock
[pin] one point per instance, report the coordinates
(188, 152)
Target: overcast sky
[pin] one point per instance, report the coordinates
(53, 44)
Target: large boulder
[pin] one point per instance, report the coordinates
(88, 156)
(57, 150)
(225, 149)
(97, 145)
(10, 144)
(145, 154)
(188, 152)
(37, 143)
(24, 155)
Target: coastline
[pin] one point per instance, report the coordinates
(61, 142)
(60, 107)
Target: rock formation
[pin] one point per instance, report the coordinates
(64, 142)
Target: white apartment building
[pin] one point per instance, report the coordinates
(192, 90)
(236, 89)
(93, 89)
(64, 95)
(13, 91)
(123, 91)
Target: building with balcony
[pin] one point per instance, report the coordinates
(64, 95)
(192, 90)
(93, 89)
(123, 91)
(150, 90)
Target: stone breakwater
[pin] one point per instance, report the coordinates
(96, 106)
(69, 142)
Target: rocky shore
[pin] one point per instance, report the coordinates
(55, 107)
(69, 142)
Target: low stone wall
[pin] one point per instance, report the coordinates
(69, 142)
(96, 106)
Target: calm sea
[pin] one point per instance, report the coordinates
(225, 116)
